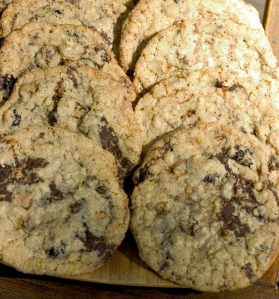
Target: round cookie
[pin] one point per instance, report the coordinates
(204, 43)
(205, 209)
(207, 96)
(79, 99)
(62, 210)
(104, 16)
(150, 17)
(43, 45)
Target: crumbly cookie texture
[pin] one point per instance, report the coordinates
(43, 45)
(204, 43)
(205, 209)
(207, 96)
(62, 210)
(104, 16)
(79, 99)
(149, 17)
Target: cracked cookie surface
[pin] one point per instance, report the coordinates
(197, 44)
(150, 17)
(207, 96)
(62, 210)
(205, 208)
(79, 99)
(42, 45)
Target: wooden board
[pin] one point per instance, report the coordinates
(125, 266)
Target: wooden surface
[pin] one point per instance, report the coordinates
(126, 268)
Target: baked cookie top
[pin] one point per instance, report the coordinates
(62, 210)
(79, 99)
(104, 16)
(205, 209)
(150, 17)
(207, 96)
(205, 43)
(43, 45)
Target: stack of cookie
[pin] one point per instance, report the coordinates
(205, 209)
(69, 135)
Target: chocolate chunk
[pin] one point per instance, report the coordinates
(109, 142)
(5, 172)
(223, 157)
(55, 194)
(32, 163)
(270, 186)
(227, 212)
(243, 130)
(17, 120)
(5, 195)
(92, 242)
(273, 164)
(219, 84)
(59, 12)
(239, 157)
(32, 179)
(10, 174)
(210, 179)
(164, 265)
(99, 48)
(102, 190)
(58, 251)
(105, 37)
(231, 222)
(6, 83)
(70, 74)
(105, 57)
(249, 272)
(77, 206)
(102, 33)
(142, 175)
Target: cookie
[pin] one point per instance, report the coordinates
(106, 16)
(62, 210)
(150, 17)
(43, 45)
(197, 44)
(79, 99)
(205, 209)
(207, 96)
